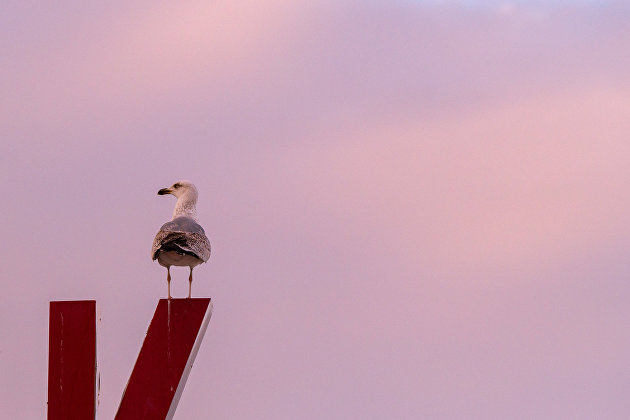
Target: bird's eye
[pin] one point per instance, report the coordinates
(176, 185)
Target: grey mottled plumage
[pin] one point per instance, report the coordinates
(182, 241)
(182, 235)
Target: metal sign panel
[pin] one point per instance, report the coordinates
(165, 359)
(72, 360)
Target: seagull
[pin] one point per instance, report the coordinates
(182, 241)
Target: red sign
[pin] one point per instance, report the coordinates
(166, 358)
(72, 360)
(158, 377)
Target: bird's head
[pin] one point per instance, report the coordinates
(181, 189)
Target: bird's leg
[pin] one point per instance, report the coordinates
(190, 283)
(168, 280)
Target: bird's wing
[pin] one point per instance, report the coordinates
(184, 235)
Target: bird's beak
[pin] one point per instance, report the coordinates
(165, 191)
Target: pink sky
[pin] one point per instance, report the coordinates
(415, 211)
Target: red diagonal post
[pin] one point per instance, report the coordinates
(72, 360)
(165, 359)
